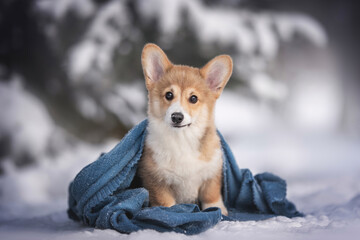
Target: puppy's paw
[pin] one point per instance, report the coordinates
(218, 204)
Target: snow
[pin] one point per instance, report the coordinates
(316, 101)
(322, 172)
(289, 24)
(268, 44)
(59, 8)
(126, 98)
(88, 107)
(81, 58)
(17, 106)
(263, 85)
(248, 31)
(99, 43)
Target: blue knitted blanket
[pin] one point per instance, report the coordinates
(104, 194)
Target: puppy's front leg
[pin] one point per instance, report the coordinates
(161, 196)
(210, 194)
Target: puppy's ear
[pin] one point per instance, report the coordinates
(217, 73)
(155, 63)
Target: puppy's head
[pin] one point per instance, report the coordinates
(183, 96)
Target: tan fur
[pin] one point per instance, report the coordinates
(209, 191)
(162, 76)
(159, 193)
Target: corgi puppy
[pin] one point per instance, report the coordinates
(182, 159)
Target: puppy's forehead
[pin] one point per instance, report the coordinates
(185, 77)
(181, 89)
(184, 71)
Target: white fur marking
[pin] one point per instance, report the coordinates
(176, 107)
(176, 154)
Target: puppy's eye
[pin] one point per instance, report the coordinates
(193, 99)
(169, 96)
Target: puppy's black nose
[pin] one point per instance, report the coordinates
(177, 117)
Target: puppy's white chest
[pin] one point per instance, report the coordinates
(179, 165)
(185, 173)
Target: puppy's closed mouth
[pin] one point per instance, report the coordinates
(181, 126)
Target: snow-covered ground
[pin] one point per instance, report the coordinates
(321, 168)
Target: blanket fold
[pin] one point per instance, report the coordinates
(101, 195)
